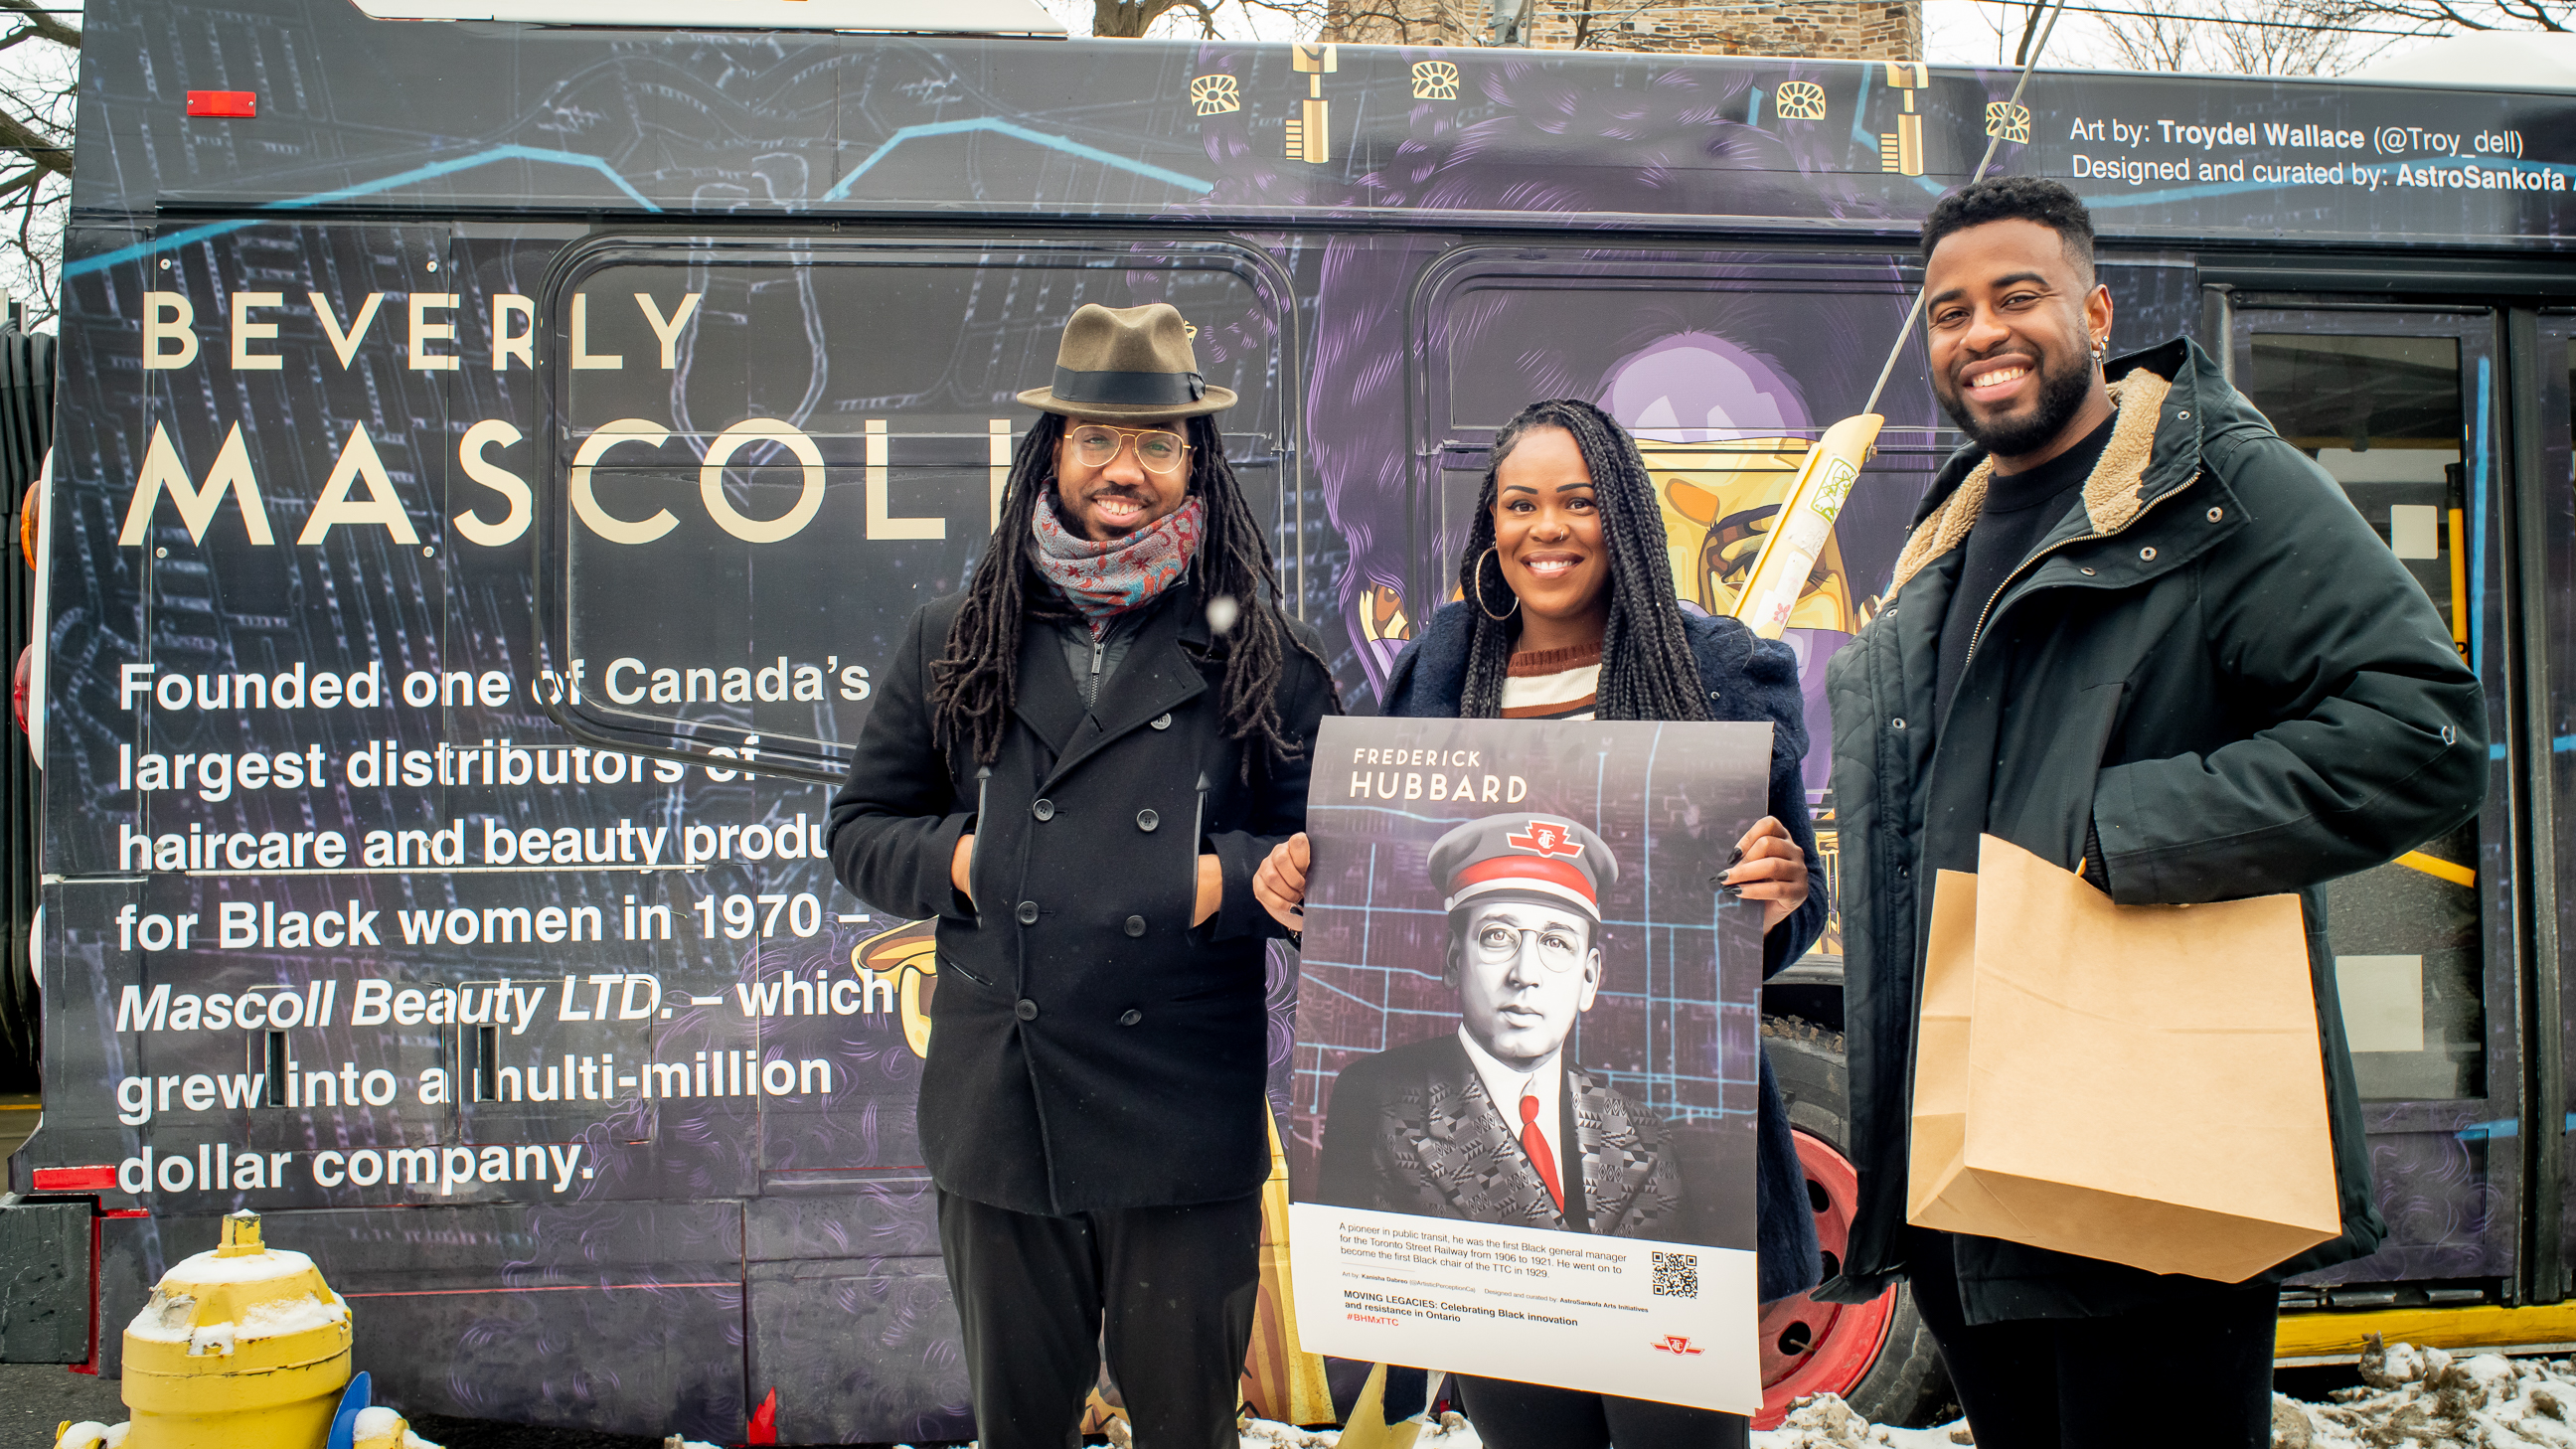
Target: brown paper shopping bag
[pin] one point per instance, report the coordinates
(2141, 1084)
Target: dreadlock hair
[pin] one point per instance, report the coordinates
(1647, 671)
(975, 681)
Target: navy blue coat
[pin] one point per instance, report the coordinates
(1748, 679)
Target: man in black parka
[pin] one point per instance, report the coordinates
(2138, 634)
(1075, 765)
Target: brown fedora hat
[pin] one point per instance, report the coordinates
(1128, 362)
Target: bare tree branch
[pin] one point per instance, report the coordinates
(54, 153)
(1132, 18)
(2299, 37)
(44, 24)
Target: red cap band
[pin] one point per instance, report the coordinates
(1561, 874)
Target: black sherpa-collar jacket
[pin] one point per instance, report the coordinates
(2213, 662)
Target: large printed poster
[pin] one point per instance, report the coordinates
(1523, 1134)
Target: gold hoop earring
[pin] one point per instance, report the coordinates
(1477, 578)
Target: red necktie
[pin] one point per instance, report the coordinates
(1534, 1142)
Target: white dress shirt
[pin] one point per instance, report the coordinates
(1507, 1086)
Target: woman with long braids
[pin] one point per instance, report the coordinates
(1075, 765)
(1569, 613)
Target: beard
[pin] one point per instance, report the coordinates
(2061, 395)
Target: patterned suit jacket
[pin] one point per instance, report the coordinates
(1413, 1130)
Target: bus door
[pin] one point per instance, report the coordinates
(2403, 406)
(2545, 390)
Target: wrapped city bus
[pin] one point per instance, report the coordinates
(498, 447)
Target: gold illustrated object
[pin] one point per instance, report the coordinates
(910, 954)
(244, 1344)
(1799, 101)
(1901, 150)
(2007, 121)
(1719, 501)
(1216, 95)
(1435, 80)
(1805, 525)
(1309, 132)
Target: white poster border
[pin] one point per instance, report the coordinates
(1463, 1296)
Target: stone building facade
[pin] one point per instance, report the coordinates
(1835, 29)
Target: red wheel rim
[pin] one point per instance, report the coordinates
(1818, 1348)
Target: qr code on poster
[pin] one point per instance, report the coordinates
(1677, 1275)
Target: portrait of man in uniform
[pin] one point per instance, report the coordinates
(1493, 1122)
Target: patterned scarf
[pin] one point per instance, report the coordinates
(1107, 579)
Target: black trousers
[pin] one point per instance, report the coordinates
(1529, 1416)
(2076, 1383)
(1167, 1290)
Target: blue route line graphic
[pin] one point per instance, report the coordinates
(430, 172)
(1069, 146)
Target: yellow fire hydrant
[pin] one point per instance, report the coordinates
(244, 1345)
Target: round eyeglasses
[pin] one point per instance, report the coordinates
(1096, 445)
(1558, 948)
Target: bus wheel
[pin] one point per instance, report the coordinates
(1878, 1356)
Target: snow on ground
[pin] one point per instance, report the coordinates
(2408, 1397)
(2427, 1396)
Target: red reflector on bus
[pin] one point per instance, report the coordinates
(223, 103)
(76, 1179)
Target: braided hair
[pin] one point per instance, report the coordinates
(975, 681)
(1647, 671)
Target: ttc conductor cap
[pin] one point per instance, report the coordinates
(1546, 857)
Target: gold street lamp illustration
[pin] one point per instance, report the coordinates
(1901, 150)
(1309, 131)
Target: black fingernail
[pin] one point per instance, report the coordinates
(1735, 893)
(1737, 858)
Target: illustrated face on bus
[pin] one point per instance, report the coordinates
(1716, 423)
(1547, 530)
(2012, 314)
(1115, 477)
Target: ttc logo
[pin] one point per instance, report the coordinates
(1675, 1344)
(1545, 839)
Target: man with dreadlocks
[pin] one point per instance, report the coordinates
(1075, 766)
(1570, 613)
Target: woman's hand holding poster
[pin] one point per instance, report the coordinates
(1522, 1142)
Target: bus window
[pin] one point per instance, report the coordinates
(2384, 415)
(1725, 366)
(2401, 407)
(747, 422)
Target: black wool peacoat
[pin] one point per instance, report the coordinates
(1090, 1049)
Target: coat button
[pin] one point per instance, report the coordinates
(1896, 724)
(2216, 514)
(2088, 571)
(1147, 819)
(1163, 721)
(1027, 1010)
(1135, 925)
(2148, 554)
(1130, 1017)
(1028, 913)
(1043, 809)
